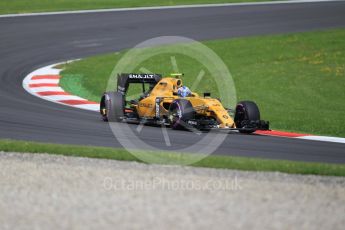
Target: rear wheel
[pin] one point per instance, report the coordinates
(246, 111)
(180, 111)
(112, 106)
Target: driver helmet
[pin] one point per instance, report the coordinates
(184, 91)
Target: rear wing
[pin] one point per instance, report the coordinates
(124, 79)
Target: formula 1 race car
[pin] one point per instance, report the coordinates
(167, 102)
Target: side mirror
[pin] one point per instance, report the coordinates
(207, 94)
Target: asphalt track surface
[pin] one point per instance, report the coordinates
(27, 43)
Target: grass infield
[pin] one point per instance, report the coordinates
(221, 162)
(30, 6)
(298, 80)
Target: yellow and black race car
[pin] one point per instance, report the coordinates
(166, 101)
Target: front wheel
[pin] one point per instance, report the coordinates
(180, 111)
(245, 113)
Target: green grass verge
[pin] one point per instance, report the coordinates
(298, 80)
(28, 6)
(223, 162)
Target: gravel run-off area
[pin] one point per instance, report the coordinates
(40, 191)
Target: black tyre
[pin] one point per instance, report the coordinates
(246, 111)
(180, 111)
(112, 106)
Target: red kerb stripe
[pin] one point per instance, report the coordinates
(77, 102)
(40, 77)
(52, 93)
(43, 85)
(280, 133)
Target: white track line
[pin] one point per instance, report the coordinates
(324, 138)
(88, 107)
(166, 7)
